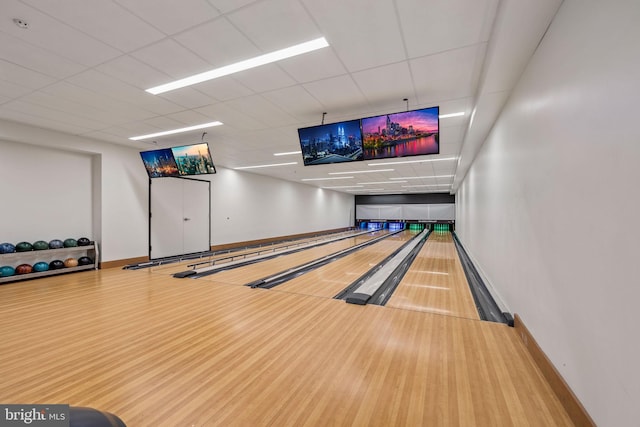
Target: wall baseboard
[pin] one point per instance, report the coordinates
(570, 402)
(123, 262)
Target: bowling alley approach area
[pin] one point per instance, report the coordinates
(158, 350)
(283, 213)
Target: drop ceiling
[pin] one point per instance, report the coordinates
(82, 67)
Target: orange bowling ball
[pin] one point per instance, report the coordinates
(24, 269)
(70, 262)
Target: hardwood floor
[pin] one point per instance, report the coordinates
(160, 351)
(436, 282)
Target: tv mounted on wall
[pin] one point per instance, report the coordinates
(179, 161)
(331, 143)
(409, 133)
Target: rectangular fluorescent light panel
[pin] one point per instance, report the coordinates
(369, 171)
(266, 166)
(446, 116)
(424, 177)
(171, 132)
(247, 64)
(413, 161)
(288, 153)
(324, 179)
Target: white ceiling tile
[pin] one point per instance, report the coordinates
(133, 71)
(12, 90)
(364, 33)
(54, 36)
(218, 42)
(51, 115)
(265, 78)
(19, 52)
(104, 20)
(234, 120)
(171, 58)
(447, 75)
(19, 115)
(318, 65)
(13, 73)
(281, 23)
(224, 89)
(261, 109)
(297, 102)
(374, 82)
(171, 16)
(188, 98)
(188, 117)
(444, 24)
(225, 6)
(337, 93)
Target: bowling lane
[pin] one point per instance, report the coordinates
(436, 282)
(176, 267)
(329, 280)
(249, 273)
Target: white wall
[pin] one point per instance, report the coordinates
(48, 191)
(248, 206)
(118, 188)
(549, 208)
(245, 206)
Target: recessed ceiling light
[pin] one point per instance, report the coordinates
(266, 166)
(427, 185)
(324, 179)
(287, 153)
(267, 58)
(446, 116)
(368, 171)
(345, 186)
(413, 161)
(173, 131)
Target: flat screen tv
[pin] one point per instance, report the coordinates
(160, 163)
(331, 143)
(193, 159)
(410, 133)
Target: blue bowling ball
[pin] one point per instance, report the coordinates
(6, 271)
(7, 248)
(56, 244)
(40, 266)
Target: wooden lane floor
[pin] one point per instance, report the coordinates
(156, 353)
(436, 282)
(329, 280)
(250, 273)
(176, 267)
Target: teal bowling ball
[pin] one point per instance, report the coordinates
(70, 243)
(40, 245)
(6, 271)
(24, 247)
(40, 266)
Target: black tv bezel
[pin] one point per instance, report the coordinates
(365, 158)
(359, 123)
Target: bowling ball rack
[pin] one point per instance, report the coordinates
(34, 257)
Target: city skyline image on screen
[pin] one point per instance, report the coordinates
(193, 159)
(331, 143)
(159, 163)
(409, 133)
